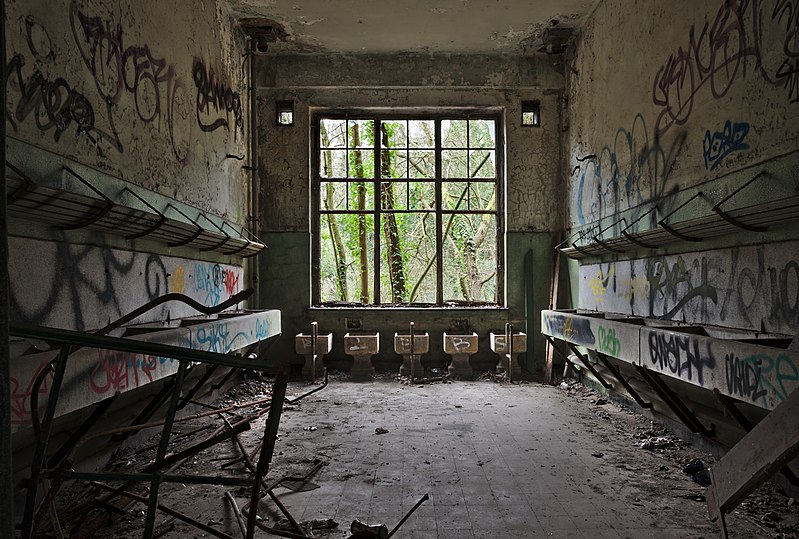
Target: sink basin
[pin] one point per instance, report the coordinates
(460, 343)
(500, 346)
(303, 343)
(361, 344)
(402, 343)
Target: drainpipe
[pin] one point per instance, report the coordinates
(530, 317)
(6, 483)
(255, 199)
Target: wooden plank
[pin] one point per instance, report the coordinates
(772, 444)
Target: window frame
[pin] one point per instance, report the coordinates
(437, 115)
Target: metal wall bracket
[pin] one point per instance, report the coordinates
(589, 366)
(727, 217)
(677, 234)
(109, 204)
(675, 404)
(617, 373)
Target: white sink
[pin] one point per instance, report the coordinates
(460, 343)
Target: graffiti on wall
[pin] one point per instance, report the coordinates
(683, 355)
(106, 76)
(576, 330)
(786, 13)
(746, 287)
(86, 287)
(728, 46)
(215, 282)
(718, 145)
(216, 100)
(629, 171)
(54, 105)
(120, 69)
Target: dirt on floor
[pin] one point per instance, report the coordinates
(652, 468)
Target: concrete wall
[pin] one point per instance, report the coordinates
(667, 100)
(148, 94)
(416, 81)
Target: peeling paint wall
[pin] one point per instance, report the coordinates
(667, 100)
(151, 92)
(420, 81)
(667, 96)
(153, 95)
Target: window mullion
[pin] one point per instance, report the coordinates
(439, 218)
(377, 215)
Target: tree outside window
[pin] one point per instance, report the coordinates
(408, 210)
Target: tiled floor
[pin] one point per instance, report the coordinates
(496, 460)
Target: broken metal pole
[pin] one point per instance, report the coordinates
(171, 512)
(253, 469)
(234, 430)
(268, 447)
(408, 515)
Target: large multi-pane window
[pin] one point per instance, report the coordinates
(408, 209)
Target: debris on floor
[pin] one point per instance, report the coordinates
(538, 459)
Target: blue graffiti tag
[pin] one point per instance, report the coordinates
(720, 144)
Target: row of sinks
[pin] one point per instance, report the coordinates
(363, 345)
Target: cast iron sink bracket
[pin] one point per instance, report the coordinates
(613, 369)
(589, 365)
(675, 404)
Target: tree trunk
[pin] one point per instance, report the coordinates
(339, 250)
(362, 230)
(394, 249)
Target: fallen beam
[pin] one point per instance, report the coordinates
(769, 446)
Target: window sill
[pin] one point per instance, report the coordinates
(420, 308)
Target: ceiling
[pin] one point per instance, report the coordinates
(382, 26)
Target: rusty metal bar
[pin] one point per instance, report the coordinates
(41, 446)
(668, 228)
(407, 515)
(674, 403)
(170, 512)
(589, 366)
(268, 489)
(101, 408)
(268, 446)
(617, 373)
(166, 431)
(200, 383)
(191, 238)
(130, 345)
(211, 441)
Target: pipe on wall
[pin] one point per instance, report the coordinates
(6, 483)
(255, 201)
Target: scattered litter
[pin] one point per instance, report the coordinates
(598, 454)
(600, 401)
(698, 472)
(481, 462)
(564, 385)
(309, 428)
(458, 406)
(381, 430)
(359, 529)
(659, 442)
